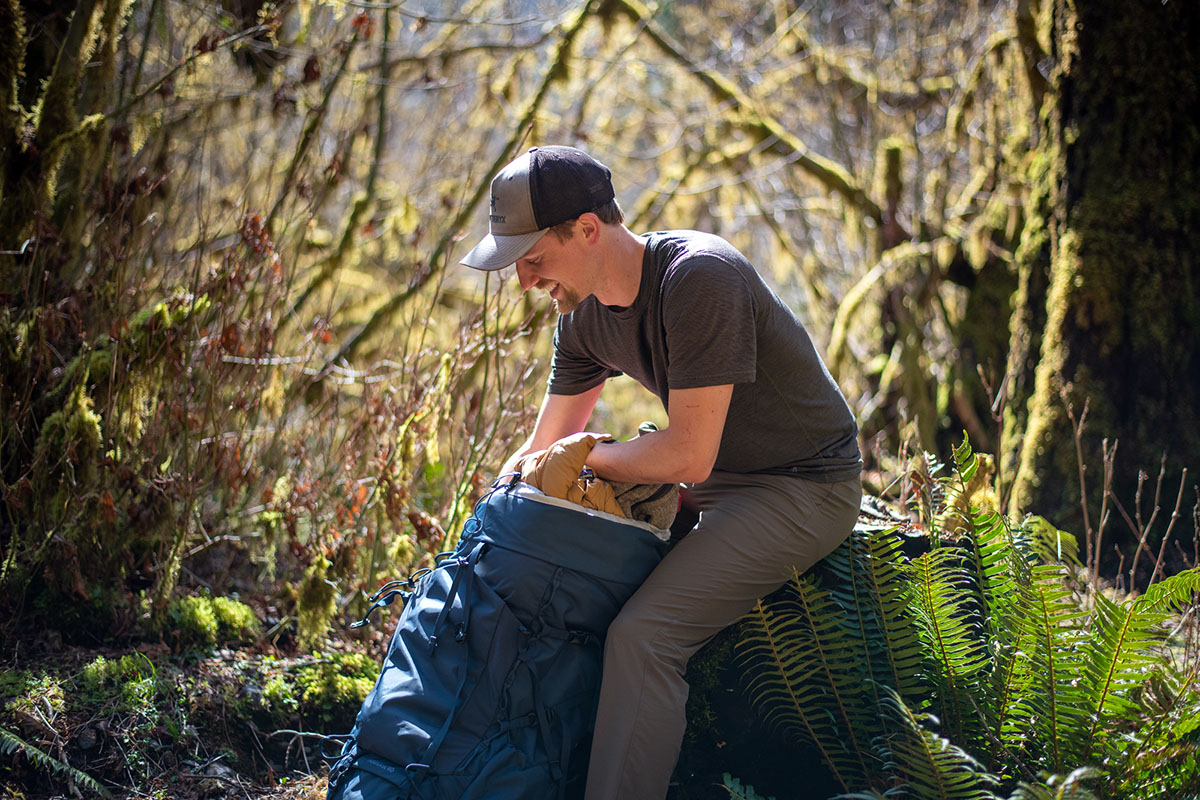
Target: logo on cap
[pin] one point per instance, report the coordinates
(494, 217)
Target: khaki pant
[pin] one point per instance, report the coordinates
(753, 529)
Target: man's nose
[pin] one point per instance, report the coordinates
(526, 276)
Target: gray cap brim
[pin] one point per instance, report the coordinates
(497, 252)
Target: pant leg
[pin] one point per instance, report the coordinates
(753, 529)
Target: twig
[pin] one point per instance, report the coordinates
(298, 734)
(1143, 529)
(831, 175)
(1109, 458)
(1196, 530)
(1077, 426)
(434, 266)
(1170, 525)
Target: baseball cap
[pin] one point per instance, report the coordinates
(534, 192)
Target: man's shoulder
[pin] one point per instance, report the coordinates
(693, 261)
(678, 246)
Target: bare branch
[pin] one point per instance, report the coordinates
(753, 120)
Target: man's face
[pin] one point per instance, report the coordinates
(555, 266)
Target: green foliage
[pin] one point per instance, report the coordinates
(925, 763)
(28, 693)
(11, 744)
(739, 792)
(334, 687)
(316, 605)
(1058, 787)
(979, 662)
(193, 622)
(198, 622)
(235, 620)
(129, 701)
(325, 691)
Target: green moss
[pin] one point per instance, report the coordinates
(279, 695)
(103, 674)
(196, 622)
(333, 688)
(23, 691)
(316, 605)
(325, 692)
(193, 623)
(235, 620)
(67, 450)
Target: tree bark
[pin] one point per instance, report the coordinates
(1121, 310)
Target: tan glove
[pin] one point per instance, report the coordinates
(557, 472)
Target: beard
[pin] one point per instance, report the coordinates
(568, 302)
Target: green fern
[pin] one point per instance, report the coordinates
(739, 792)
(1048, 543)
(872, 591)
(1172, 594)
(1057, 787)
(987, 630)
(804, 667)
(1050, 716)
(928, 766)
(1115, 661)
(10, 744)
(949, 626)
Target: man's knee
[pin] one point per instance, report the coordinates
(634, 637)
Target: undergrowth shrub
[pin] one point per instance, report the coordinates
(323, 692)
(221, 361)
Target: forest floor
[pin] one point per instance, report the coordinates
(143, 720)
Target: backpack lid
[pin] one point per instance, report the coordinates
(523, 519)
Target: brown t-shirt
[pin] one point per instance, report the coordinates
(704, 317)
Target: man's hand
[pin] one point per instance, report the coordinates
(561, 415)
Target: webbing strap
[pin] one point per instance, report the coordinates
(556, 769)
(564, 756)
(466, 565)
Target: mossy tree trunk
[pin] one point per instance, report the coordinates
(1109, 266)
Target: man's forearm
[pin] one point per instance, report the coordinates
(656, 457)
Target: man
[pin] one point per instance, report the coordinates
(756, 427)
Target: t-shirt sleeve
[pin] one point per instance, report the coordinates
(709, 323)
(571, 370)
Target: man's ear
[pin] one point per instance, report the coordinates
(588, 226)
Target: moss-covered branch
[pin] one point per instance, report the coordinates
(752, 119)
(435, 263)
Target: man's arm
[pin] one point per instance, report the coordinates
(683, 452)
(560, 415)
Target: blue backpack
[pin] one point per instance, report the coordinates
(490, 682)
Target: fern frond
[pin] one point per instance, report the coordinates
(1117, 657)
(965, 460)
(1049, 624)
(10, 743)
(1048, 543)
(1056, 787)
(739, 792)
(804, 670)
(949, 626)
(869, 584)
(1161, 756)
(929, 766)
(1173, 593)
